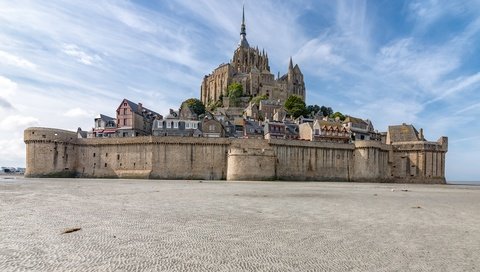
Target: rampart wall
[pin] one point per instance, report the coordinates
(59, 153)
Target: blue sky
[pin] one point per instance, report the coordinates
(63, 62)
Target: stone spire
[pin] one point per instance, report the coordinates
(243, 32)
(290, 65)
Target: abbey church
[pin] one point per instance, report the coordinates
(249, 67)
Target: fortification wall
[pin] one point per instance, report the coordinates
(304, 160)
(419, 162)
(50, 152)
(371, 161)
(54, 152)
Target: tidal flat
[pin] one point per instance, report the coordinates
(155, 225)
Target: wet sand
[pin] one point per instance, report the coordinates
(153, 225)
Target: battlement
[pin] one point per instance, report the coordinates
(49, 135)
(59, 153)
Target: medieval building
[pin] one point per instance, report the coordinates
(250, 67)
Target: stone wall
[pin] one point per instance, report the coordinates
(54, 152)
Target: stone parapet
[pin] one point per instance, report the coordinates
(55, 152)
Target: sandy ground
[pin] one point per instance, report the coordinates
(152, 225)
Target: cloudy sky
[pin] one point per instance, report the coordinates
(63, 62)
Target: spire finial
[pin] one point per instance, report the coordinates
(290, 65)
(243, 32)
(243, 14)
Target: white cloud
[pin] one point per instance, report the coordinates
(425, 66)
(78, 112)
(12, 152)
(10, 59)
(131, 19)
(319, 51)
(458, 85)
(16, 122)
(80, 55)
(7, 87)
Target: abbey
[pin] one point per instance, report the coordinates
(250, 67)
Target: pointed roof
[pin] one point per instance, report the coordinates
(243, 32)
(290, 65)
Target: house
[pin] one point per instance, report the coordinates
(279, 114)
(361, 129)
(239, 124)
(173, 125)
(291, 130)
(253, 129)
(251, 111)
(302, 119)
(212, 128)
(324, 131)
(134, 119)
(105, 126)
(268, 108)
(274, 130)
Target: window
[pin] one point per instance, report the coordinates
(211, 127)
(125, 103)
(194, 125)
(317, 131)
(124, 111)
(160, 124)
(94, 155)
(124, 122)
(169, 125)
(187, 125)
(175, 125)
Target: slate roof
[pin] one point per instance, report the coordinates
(403, 133)
(354, 120)
(105, 117)
(134, 107)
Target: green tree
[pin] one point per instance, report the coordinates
(195, 105)
(295, 106)
(313, 109)
(337, 114)
(235, 90)
(326, 111)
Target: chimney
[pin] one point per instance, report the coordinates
(140, 108)
(421, 135)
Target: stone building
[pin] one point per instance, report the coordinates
(275, 130)
(134, 119)
(324, 131)
(176, 124)
(360, 129)
(105, 126)
(250, 67)
(415, 159)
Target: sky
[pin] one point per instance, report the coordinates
(393, 62)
